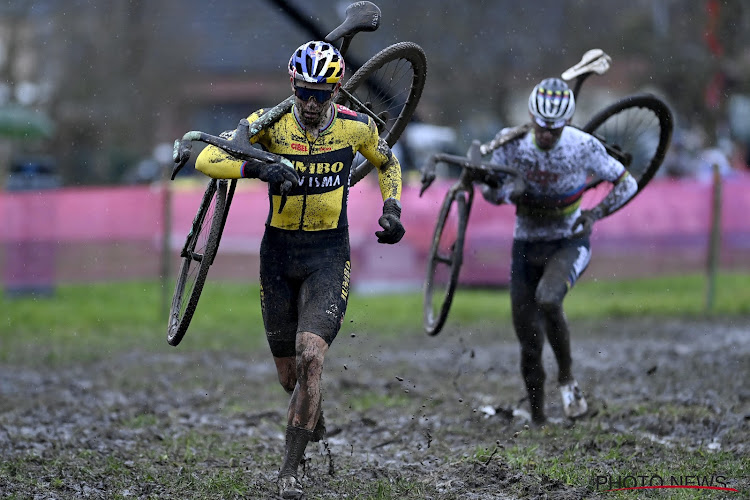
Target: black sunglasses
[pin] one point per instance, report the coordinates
(320, 95)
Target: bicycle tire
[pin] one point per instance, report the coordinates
(639, 126)
(204, 237)
(390, 84)
(230, 195)
(436, 308)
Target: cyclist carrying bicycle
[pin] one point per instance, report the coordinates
(551, 247)
(305, 255)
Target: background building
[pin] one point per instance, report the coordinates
(119, 78)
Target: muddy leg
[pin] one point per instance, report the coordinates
(561, 272)
(528, 326)
(286, 369)
(531, 338)
(527, 322)
(558, 335)
(304, 407)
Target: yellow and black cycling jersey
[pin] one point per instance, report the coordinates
(324, 165)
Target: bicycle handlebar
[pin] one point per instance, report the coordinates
(237, 148)
(429, 175)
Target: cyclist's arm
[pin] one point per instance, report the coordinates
(624, 185)
(493, 187)
(377, 152)
(218, 164)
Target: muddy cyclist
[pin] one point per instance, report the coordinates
(305, 255)
(551, 247)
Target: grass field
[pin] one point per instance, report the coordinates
(83, 320)
(104, 410)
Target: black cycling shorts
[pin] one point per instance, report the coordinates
(546, 270)
(304, 280)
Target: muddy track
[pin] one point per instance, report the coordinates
(444, 412)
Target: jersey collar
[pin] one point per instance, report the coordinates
(325, 129)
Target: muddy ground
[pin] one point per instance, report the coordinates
(422, 417)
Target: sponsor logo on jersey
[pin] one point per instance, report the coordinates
(543, 177)
(319, 168)
(299, 147)
(320, 174)
(345, 110)
(320, 181)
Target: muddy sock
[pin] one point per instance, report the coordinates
(296, 442)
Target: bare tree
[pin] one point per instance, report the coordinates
(116, 72)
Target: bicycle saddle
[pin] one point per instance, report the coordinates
(360, 16)
(594, 60)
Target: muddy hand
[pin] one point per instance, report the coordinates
(586, 222)
(390, 221)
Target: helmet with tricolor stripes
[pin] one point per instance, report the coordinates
(317, 62)
(551, 103)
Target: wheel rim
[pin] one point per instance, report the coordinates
(445, 259)
(197, 258)
(640, 126)
(391, 87)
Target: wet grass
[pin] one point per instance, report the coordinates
(619, 459)
(366, 400)
(81, 322)
(120, 478)
(85, 325)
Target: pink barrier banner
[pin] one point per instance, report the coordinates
(669, 216)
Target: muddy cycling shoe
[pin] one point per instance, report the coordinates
(574, 404)
(319, 433)
(289, 487)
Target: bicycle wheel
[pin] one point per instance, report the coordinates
(637, 131)
(389, 86)
(445, 259)
(197, 256)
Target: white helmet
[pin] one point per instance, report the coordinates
(552, 102)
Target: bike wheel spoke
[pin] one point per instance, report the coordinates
(640, 127)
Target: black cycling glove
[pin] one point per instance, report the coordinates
(274, 173)
(586, 222)
(390, 221)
